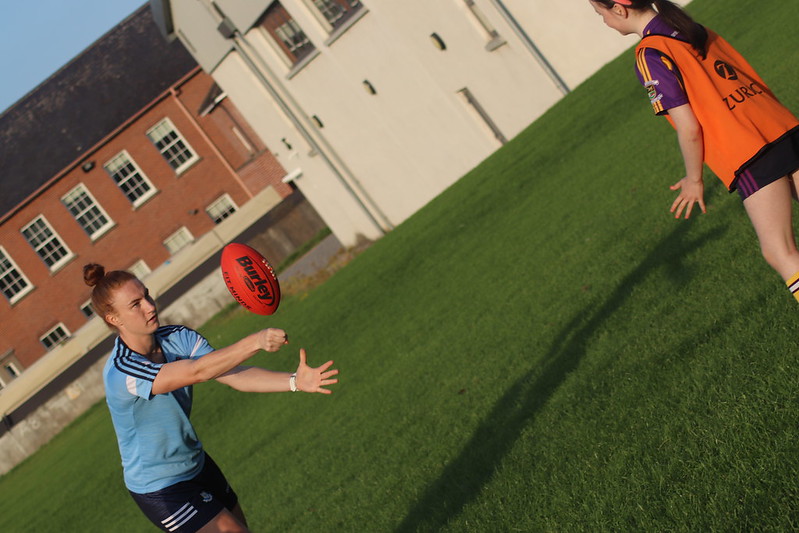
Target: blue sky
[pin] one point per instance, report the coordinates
(37, 37)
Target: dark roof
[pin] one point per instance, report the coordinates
(83, 102)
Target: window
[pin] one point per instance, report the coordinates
(12, 369)
(13, 282)
(88, 213)
(172, 146)
(178, 240)
(46, 243)
(495, 41)
(336, 12)
(55, 336)
(221, 208)
(286, 33)
(129, 178)
(87, 309)
(140, 269)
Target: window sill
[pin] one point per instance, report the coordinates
(185, 167)
(145, 200)
(102, 233)
(341, 30)
(21, 295)
(58, 267)
(302, 63)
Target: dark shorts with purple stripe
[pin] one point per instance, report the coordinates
(777, 160)
(187, 506)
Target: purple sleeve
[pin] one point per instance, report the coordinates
(661, 79)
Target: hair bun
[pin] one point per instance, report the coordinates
(93, 273)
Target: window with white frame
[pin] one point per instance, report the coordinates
(178, 240)
(46, 243)
(13, 282)
(87, 309)
(12, 369)
(87, 212)
(172, 145)
(221, 208)
(55, 336)
(286, 33)
(129, 178)
(140, 269)
(337, 12)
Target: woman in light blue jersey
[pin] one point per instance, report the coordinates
(148, 382)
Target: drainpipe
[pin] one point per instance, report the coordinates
(530, 45)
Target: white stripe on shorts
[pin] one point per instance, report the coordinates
(183, 515)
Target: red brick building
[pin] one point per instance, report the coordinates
(123, 157)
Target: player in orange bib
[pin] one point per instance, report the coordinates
(725, 116)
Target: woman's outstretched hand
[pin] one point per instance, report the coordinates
(692, 191)
(313, 379)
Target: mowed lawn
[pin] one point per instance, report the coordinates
(541, 348)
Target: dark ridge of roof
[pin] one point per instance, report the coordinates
(84, 101)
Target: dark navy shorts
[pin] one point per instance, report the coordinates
(187, 506)
(777, 160)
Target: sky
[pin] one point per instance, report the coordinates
(37, 37)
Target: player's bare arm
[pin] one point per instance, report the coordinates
(691, 188)
(178, 374)
(256, 379)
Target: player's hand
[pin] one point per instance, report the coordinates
(313, 379)
(692, 191)
(272, 339)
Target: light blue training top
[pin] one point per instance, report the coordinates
(157, 442)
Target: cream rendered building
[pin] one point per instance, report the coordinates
(377, 106)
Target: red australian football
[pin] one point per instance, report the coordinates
(250, 279)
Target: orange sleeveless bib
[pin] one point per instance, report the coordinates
(738, 113)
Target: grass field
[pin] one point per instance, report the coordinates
(541, 348)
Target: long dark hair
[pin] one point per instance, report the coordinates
(674, 16)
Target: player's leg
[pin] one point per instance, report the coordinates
(769, 209)
(224, 522)
(230, 518)
(239, 514)
(795, 185)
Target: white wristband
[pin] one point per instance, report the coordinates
(293, 383)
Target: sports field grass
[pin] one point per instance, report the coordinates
(542, 348)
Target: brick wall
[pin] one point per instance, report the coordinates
(139, 232)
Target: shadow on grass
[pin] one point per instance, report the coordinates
(463, 479)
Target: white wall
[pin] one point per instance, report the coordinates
(379, 158)
(338, 208)
(415, 137)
